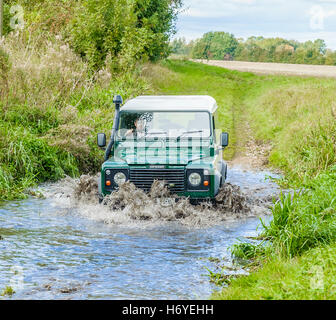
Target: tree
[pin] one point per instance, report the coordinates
(132, 29)
(158, 17)
(330, 57)
(215, 45)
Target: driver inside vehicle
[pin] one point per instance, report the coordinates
(139, 129)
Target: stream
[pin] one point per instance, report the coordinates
(60, 248)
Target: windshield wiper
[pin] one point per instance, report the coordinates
(188, 132)
(157, 132)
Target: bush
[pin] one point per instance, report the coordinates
(26, 159)
(307, 220)
(52, 110)
(215, 45)
(127, 32)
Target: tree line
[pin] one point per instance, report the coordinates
(225, 46)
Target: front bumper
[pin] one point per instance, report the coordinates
(176, 179)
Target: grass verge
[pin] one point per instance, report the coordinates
(310, 276)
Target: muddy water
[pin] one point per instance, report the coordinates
(137, 246)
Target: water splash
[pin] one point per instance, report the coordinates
(130, 205)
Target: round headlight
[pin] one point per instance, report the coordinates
(119, 178)
(195, 179)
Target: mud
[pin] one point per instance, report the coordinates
(130, 205)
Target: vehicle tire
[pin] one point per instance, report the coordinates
(224, 175)
(100, 197)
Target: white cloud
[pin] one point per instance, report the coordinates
(214, 8)
(288, 19)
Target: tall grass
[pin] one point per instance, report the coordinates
(306, 220)
(297, 118)
(51, 107)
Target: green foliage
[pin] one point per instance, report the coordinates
(8, 291)
(125, 31)
(26, 158)
(215, 45)
(6, 18)
(260, 49)
(307, 220)
(181, 47)
(35, 119)
(248, 251)
(52, 102)
(308, 277)
(159, 18)
(224, 46)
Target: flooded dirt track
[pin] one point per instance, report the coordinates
(66, 246)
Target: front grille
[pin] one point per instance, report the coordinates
(144, 178)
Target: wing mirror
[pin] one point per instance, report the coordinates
(101, 140)
(224, 139)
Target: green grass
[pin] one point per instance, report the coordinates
(297, 119)
(8, 291)
(305, 220)
(307, 277)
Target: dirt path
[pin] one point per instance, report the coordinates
(275, 68)
(250, 154)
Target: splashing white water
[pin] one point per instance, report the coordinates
(130, 205)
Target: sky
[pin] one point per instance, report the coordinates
(300, 20)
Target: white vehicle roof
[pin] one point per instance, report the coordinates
(171, 103)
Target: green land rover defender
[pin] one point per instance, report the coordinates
(174, 139)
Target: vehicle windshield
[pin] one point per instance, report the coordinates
(164, 124)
